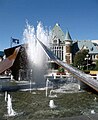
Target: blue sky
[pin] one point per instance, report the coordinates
(80, 17)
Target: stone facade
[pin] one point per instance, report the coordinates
(61, 44)
(65, 48)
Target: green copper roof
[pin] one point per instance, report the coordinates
(57, 32)
(67, 36)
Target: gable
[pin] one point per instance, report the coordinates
(57, 33)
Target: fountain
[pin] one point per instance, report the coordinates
(47, 84)
(52, 95)
(92, 112)
(79, 87)
(36, 57)
(95, 99)
(34, 110)
(5, 96)
(51, 104)
(10, 110)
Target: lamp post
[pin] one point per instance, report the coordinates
(87, 58)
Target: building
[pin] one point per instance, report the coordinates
(65, 48)
(61, 44)
(91, 46)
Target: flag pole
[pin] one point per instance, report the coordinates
(11, 42)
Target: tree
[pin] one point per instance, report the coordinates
(79, 59)
(61, 70)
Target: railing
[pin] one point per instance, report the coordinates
(80, 75)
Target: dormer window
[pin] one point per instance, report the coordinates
(56, 41)
(92, 49)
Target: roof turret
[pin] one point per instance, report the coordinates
(67, 36)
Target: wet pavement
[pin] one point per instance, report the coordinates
(82, 117)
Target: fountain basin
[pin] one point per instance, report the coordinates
(8, 85)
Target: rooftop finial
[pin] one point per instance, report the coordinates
(57, 24)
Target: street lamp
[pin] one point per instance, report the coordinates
(87, 58)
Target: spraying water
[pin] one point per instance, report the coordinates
(47, 85)
(36, 56)
(5, 96)
(51, 104)
(10, 110)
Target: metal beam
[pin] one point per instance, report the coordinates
(76, 72)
